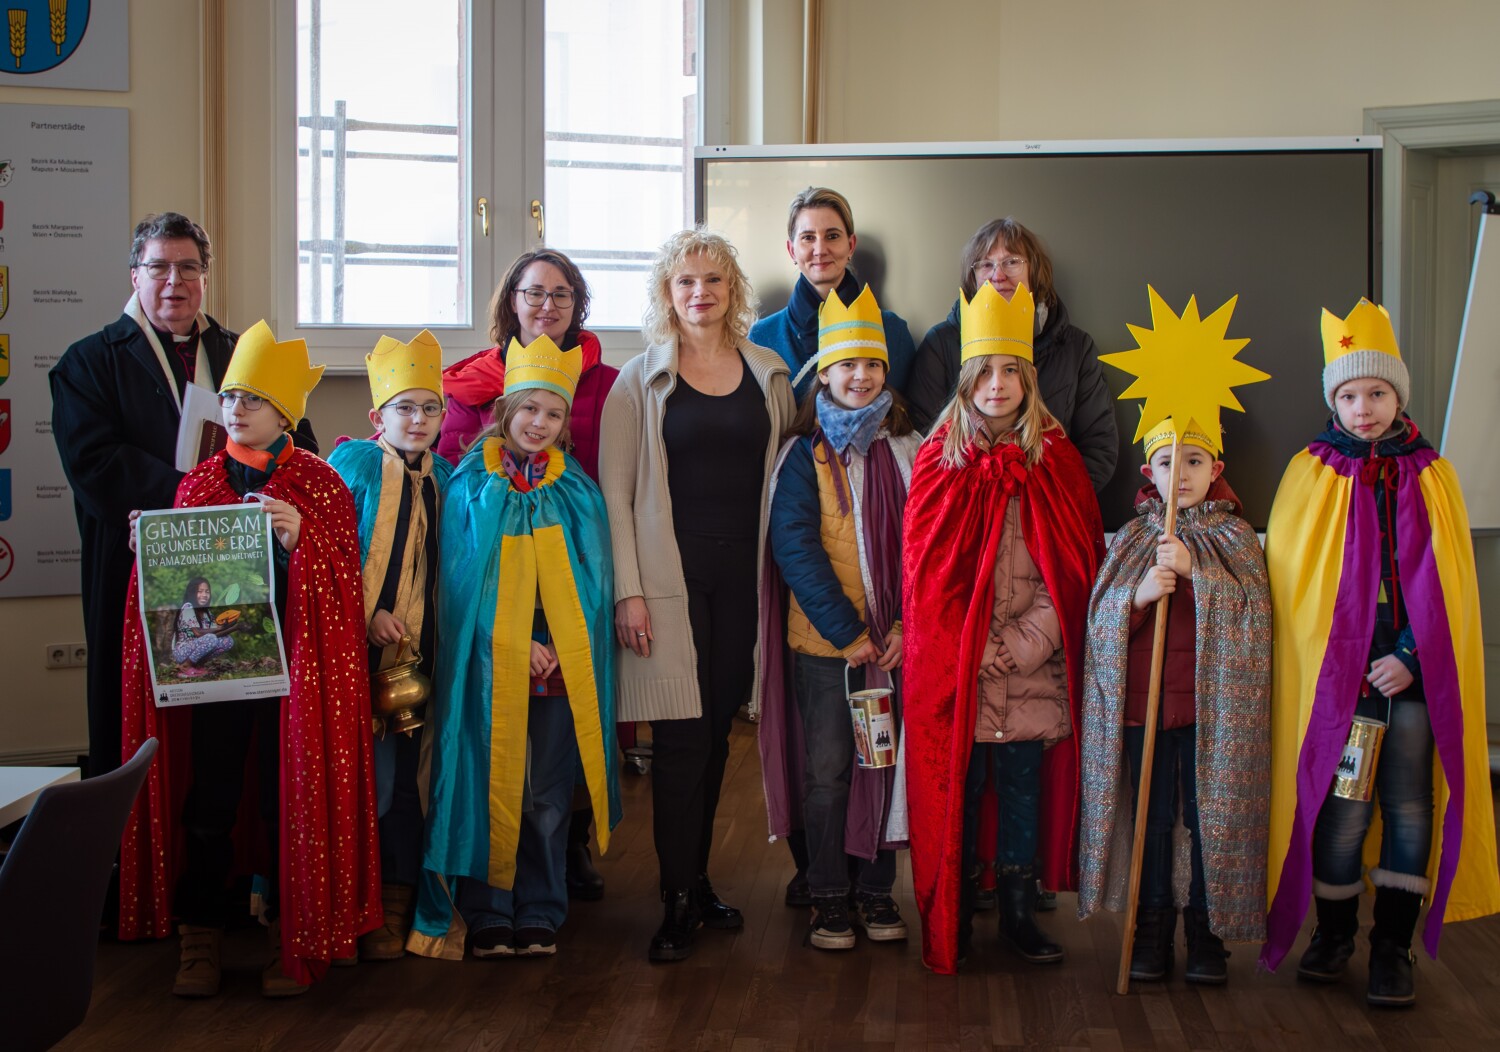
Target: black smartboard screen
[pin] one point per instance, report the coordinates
(1287, 230)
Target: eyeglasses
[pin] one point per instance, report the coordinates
(561, 299)
(985, 268)
(158, 269)
(248, 402)
(409, 409)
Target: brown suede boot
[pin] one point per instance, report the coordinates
(198, 971)
(388, 942)
(274, 982)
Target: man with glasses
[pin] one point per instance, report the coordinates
(117, 399)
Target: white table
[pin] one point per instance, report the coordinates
(20, 786)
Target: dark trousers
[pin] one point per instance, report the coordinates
(401, 822)
(1174, 778)
(1015, 770)
(828, 738)
(688, 756)
(222, 737)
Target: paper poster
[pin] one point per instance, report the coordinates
(64, 246)
(67, 44)
(207, 594)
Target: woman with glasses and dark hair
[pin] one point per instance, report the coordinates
(1071, 381)
(542, 292)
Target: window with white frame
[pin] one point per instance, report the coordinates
(435, 142)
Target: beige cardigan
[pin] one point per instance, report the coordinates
(633, 476)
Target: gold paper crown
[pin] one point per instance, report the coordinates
(395, 367)
(1367, 328)
(1193, 435)
(989, 324)
(541, 365)
(277, 372)
(855, 331)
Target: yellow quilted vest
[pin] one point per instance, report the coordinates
(841, 542)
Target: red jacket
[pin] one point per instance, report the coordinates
(473, 384)
(1180, 669)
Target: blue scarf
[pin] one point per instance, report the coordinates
(851, 427)
(802, 310)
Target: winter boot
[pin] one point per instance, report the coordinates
(1017, 925)
(1392, 983)
(1207, 960)
(1333, 941)
(388, 942)
(584, 882)
(198, 971)
(274, 982)
(673, 941)
(1152, 951)
(713, 912)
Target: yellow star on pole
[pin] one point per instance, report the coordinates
(1184, 367)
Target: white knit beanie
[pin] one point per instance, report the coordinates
(1358, 365)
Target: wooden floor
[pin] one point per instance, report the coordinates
(762, 989)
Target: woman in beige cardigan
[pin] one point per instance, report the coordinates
(690, 432)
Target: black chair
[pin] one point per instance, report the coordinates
(52, 887)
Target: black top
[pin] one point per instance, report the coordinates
(427, 644)
(716, 458)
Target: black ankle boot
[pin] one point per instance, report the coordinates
(1152, 951)
(712, 912)
(1333, 941)
(584, 882)
(673, 941)
(1392, 982)
(1207, 960)
(1018, 926)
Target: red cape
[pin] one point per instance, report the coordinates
(953, 524)
(329, 860)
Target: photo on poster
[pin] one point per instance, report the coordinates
(207, 605)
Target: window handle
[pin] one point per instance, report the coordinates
(540, 215)
(484, 216)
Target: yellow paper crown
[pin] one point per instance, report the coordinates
(1367, 328)
(1193, 435)
(855, 331)
(277, 372)
(989, 324)
(395, 367)
(542, 366)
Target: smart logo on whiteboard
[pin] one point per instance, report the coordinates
(44, 33)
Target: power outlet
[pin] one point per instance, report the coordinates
(78, 656)
(58, 655)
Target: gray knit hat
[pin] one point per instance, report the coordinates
(1360, 346)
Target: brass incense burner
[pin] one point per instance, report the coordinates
(398, 693)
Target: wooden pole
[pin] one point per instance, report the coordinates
(1153, 705)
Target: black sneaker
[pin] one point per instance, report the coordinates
(831, 929)
(498, 940)
(879, 917)
(536, 942)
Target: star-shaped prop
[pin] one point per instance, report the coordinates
(1184, 367)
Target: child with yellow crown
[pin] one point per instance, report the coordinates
(311, 763)
(1002, 538)
(398, 486)
(525, 687)
(1212, 742)
(834, 531)
(1378, 652)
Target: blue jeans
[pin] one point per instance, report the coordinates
(1015, 769)
(828, 738)
(539, 897)
(1174, 777)
(1403, 785)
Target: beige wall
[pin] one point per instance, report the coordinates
(894, 71)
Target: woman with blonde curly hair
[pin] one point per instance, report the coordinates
(691, 429)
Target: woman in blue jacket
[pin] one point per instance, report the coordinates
(820, 239)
